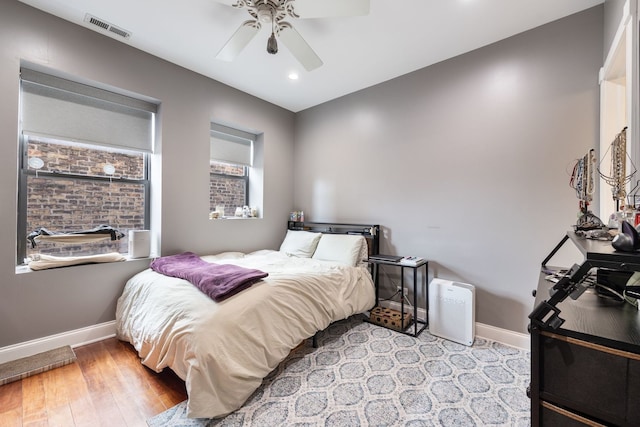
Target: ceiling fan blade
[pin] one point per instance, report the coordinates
(227, 2)
(298, 47)
(330, 8)
(238, 41)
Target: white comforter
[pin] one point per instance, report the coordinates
(224, 350)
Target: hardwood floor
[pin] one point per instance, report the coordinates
(106, 386)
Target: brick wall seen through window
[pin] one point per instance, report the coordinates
(227, 187)
(62, 204)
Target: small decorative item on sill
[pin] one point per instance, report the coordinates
(390, 318)
(297, 216)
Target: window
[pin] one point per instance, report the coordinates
(231, 162)
(84, 163)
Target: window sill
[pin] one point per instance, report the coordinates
(234, 217)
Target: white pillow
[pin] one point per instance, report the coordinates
(363, 256)
(342, 248)
(300, 243)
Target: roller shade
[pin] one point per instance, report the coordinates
(60, 108)
(231, 145)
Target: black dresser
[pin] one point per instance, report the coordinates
(585, 367)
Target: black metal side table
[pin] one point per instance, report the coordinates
(376, 263)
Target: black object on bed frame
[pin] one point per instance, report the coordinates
(368, 231)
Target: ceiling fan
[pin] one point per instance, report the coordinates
(274, 13)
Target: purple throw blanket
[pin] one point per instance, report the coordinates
(218, 281)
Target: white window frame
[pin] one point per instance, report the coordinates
(81, 111)
(234, 146)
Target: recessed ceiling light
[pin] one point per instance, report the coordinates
(293, 76)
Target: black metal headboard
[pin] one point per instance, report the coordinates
(368, 231)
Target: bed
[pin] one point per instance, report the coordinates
(223, 350)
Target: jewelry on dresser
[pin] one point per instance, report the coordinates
(618, 177)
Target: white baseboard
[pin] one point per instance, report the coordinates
(74, 338)
(504, 336)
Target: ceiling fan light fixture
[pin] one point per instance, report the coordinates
(272, 44)
(265, 15)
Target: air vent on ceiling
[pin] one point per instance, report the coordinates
(106, 26)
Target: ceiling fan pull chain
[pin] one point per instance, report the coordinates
(272, 44)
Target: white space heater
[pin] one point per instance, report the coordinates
(452, 310)
(139, 243)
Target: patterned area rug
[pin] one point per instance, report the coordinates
(367, 375)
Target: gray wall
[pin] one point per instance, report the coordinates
(39, 304)
(465, 162)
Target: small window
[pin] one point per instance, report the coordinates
(84, 164)
(231, 161)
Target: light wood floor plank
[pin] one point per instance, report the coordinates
(60, 416)
(11, 418)
(124, 397)
(103, 401)
(55, 391)
(84, 414)
(34, 411)
(162, 390)
(131, 381)
(11, 404)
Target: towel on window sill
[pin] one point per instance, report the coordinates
(218, 281)
(43, 262)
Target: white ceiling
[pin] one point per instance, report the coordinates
(397, 37)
